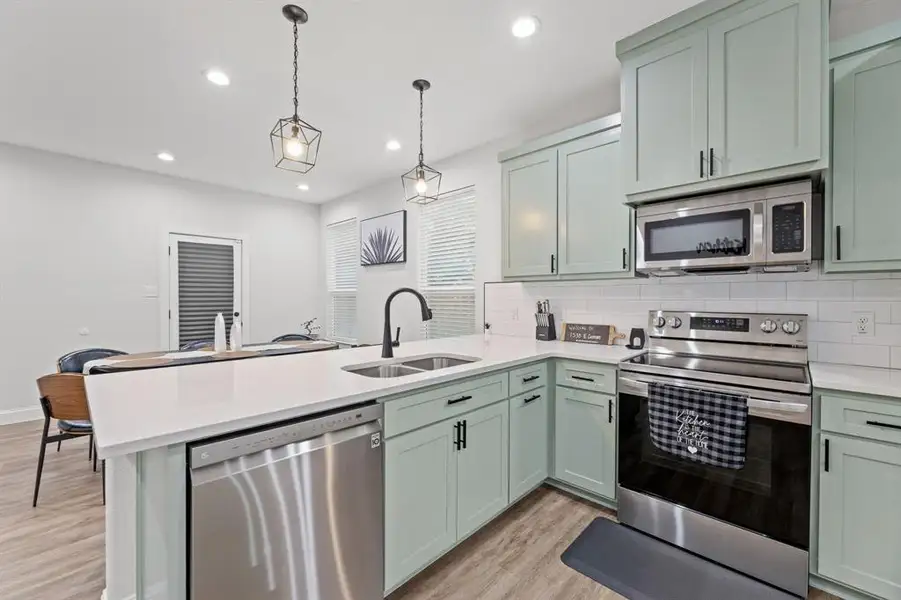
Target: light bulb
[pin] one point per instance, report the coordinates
(295, 147)
(421, 186)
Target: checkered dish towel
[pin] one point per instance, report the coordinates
(703, 426)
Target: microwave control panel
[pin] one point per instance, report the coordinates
(787, 224)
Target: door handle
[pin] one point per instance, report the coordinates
(553, 267)
(459, 400)
(610, 411)
(702, 164)
(888, 425)
(625, 266)
(457, 436)
(463, 440)
(827, 455)
(838, 242)
(710, 163)
(532, 399)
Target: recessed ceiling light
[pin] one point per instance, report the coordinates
(393, 145)
(217, 77)
(303, 187)
(165, 157)
(525, 27)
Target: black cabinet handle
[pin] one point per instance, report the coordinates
(710, 163)
(457, 436)
(532, 399)
(610, 411)
(459, 400)
(532, 378)
(827, 455)
(879, 424)
(838, 242)
(702, 164)
(553, 260)
(580, 378)
(463, 440)
(625, 266)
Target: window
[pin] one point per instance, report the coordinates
(447, 241)
(204, 280)
(341, 265)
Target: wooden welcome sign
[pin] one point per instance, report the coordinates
(604, 335)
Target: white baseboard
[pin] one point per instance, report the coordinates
(20, 415)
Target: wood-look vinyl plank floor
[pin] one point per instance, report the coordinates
(56, 551)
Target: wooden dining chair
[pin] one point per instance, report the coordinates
(63, 397)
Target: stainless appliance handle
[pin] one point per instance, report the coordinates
(794, 408)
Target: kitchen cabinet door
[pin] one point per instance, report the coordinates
(865, 173)
(765, 75)
(420, 500)
(665, 115)
(860, 524)
(529, 220)
(529, 435)
(594, 229)
(585, 440)
(482, 476)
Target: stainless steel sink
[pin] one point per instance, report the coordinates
(437, 362)
(410, 366)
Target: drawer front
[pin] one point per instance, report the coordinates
(528, 378)
(587, 376)
(867, 418)
(424, 408)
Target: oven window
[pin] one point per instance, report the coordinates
(714, 235)
(769, 495)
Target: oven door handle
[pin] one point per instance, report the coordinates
(790, 407)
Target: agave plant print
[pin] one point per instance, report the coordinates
(383, 240)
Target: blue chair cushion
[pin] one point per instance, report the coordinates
(75, 426)
(74, 362)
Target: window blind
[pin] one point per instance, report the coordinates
(206, 287)
(447, 240)
(342, 257)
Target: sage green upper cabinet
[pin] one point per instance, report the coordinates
(585, 440)
(665, 90)
(859, 521)
(528, 441)
(593, 221)
(724, 94)
(420, 500)
(482, 476)
(865, 174)
(530, 214)
(765, 75)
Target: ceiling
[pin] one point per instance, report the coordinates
(120, 80)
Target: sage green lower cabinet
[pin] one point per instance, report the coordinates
(529, 435)
(482, 476)
(860, 520)
(420, 499)
(585, 440)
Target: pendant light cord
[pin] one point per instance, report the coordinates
(296, 118)
(421, 155)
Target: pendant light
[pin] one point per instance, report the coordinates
(295, 143)
(422, 183)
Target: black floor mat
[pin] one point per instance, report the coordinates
(641, 567)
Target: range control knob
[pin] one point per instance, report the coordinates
(791, 327)
(768, 326)
(659, 322)
(675, 322)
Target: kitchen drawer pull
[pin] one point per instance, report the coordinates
(702, 164)
(457, 436)
(827, 455)
(553, 266)
(459, 400)
(463, 439)
(532, 399)
(879, 424)
(532, 378)
(580, 378)
(625, 264)
(838, 242)
(610, 411)
(710, 163)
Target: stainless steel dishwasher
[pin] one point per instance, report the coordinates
(291, 512)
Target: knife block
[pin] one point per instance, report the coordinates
(546, 333)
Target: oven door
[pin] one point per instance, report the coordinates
(691, 236)
(770, 495)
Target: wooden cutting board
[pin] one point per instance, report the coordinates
(604, 335)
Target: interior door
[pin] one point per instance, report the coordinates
(482, 475)
(766, 86)
(529, 221)
(665, 115)
(594, 229)
(867, 144)
(205, 278)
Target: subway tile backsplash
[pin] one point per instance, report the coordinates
(829, 300)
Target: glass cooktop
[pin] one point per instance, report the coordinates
(725, 366)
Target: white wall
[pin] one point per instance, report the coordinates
(82, 245)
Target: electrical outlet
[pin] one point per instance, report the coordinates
(864, 322)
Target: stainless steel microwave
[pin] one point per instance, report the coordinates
(767, 228)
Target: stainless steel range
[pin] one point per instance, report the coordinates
(746, 507)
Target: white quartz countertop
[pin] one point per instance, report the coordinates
(863, 380)
(141, 410)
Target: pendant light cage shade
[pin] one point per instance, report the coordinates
(295, 145)
(422, 184)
